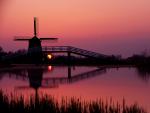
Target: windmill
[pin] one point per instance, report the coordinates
(34, 46)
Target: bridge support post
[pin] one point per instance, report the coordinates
(69, 65)
(69, 72)
(69, 58)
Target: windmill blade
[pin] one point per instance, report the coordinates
(22, 87)
(28, 87)
(22, 38)
(46, 87)
(48, 38)
(35, 26)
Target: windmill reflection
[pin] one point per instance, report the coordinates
(34, 75)
(35, 79)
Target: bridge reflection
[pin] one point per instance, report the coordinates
(34, 75)
(74, 78)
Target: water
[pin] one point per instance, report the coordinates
(88, 83)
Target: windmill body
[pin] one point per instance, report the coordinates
(34, 46)
(35, 50)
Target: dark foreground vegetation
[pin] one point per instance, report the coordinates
(47, 104)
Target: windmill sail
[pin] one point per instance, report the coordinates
(22, 38)
(27, 38)
(48, 38)
(35, 27)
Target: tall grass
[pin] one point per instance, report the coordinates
(47, 104)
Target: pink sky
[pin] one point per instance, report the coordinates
(109, 27)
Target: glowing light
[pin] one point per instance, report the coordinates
(49, 68)
(49, 56)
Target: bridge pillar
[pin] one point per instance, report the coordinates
(69, 58)
(69, 72)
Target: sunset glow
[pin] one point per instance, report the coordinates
(49, 56)
(108, 25)
(94, 50)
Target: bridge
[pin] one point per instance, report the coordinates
(60, 49)
(74, 50)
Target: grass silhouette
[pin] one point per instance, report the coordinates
(47, 104)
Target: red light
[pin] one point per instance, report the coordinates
(49, 68)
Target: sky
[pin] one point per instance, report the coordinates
(119, 27)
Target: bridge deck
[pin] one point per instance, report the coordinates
(60, 49)
(74, 50)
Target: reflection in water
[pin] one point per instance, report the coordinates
(144, 73)
(74, 78)
(117, 84)
(35, 77)
(35, 80)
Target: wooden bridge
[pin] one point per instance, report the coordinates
(74, 50)
(60, 49)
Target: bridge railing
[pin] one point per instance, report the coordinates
(85, 52)
(75, 78)
(55, 48)
(73, 50)
(80, 51)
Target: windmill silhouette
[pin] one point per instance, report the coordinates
(34, 46)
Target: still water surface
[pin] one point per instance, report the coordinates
(88, 83)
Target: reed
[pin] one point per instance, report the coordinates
(48, 104)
